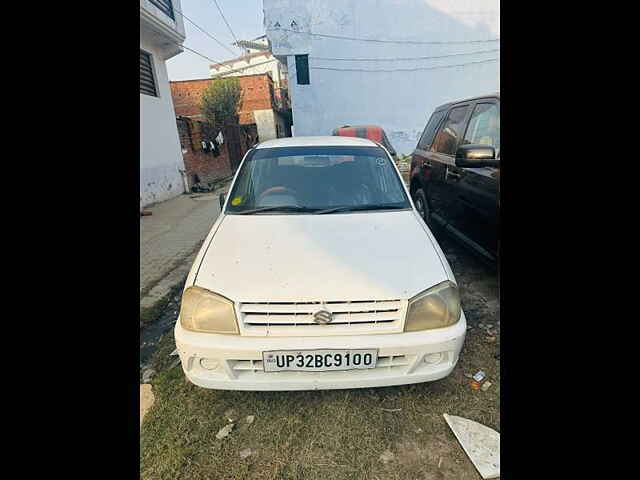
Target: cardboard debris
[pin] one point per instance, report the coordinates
(224, 431)
(480, 443)
(387, 456)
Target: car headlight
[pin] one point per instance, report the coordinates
(436, 307)
(204, 311)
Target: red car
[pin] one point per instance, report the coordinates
(372, 132)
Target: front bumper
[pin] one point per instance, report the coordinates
(230, 362)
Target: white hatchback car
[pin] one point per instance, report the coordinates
(319, 274)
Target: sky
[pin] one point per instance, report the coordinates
(245, 19)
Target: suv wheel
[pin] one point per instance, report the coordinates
(420, 201)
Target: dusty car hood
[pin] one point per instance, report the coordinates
(335, 257)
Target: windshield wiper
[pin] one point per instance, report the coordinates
(355, 208)
(278, 208)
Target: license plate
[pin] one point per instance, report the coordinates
(318, 360)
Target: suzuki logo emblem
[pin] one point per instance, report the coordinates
(322, 317)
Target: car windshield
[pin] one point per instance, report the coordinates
(306, 180)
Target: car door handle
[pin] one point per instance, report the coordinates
(427, 164)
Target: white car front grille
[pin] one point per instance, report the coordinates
(297, 318)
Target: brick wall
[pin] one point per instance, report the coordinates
(257, 94)
(200, 165)
(204, 166)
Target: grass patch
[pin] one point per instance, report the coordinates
(150, 314)
(162, 358)
(326, 435)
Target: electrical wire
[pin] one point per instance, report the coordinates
(404, 69)
(200, 54)
(204, 31)
(349, 69)
(402, 58)
(337, 59)
(215, 62)
(225, 21)
(413, 42)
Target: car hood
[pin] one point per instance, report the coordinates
(333, 257)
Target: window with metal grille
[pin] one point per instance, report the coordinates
(147, 80)
(165, 6)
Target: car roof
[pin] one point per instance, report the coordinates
(325, 141)
(364, 131)
(377, 127)
(479, 97)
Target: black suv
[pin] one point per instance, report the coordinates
(455, 172)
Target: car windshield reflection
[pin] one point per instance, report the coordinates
(306, 180)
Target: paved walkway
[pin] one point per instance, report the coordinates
(173, 232)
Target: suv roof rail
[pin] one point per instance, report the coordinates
(478, 97)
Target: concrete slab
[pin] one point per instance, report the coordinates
(146, 400)
(176, 228)
(173, 278)
(170, 240)
(480, 443)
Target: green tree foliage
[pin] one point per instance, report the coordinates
(220, 103)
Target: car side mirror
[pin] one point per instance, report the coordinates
(472, 156)
(222, 198)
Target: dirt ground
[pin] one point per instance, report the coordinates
(374, 433)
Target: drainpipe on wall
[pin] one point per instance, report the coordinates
(184, 180)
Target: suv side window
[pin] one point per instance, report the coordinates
(447, 138)
(430, 130)
(484, 126)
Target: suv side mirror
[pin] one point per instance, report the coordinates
(472, 156)
(222, 198)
